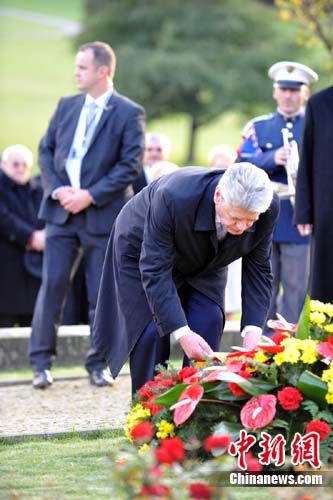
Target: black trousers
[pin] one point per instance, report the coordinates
(63, 243)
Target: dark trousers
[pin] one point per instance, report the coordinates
(204, 317)
(62, 248)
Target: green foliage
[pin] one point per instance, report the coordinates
(313, 387)
(193, 57)
(304, 320)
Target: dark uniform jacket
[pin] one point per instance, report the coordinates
(314, 191)
(262, 137)
(19, 205)
(166, 237)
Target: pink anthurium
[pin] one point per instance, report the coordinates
(281, 325)
(326, 349)
(258, 412)
(187, 403)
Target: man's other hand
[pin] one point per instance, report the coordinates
(78, 201)
(194, 346)
(305, 229)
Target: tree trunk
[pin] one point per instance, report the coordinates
(193, 131)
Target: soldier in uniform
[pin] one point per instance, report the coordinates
(263, 145)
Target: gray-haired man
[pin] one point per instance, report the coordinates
(165, 267)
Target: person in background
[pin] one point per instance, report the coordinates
(157, 149)
(163, 168)
(314, 192)
(22, 237)
(165, 267)
(222, 157)
(264, 146)
(89, 157)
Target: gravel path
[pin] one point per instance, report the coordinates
(66, 406)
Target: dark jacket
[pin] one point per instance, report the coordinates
(107, 176)
(19, 205)
(166, 237)
(314, 191)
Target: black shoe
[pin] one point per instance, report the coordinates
(99, 378)
(42, 379)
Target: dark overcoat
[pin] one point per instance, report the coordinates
(19, 205)
(163, 238)
(314, 191)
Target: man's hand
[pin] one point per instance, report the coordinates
(37, 241)
(64, 194)
(78, 201)
(194, 346)
(305, 229)
(281, 156)
(251, 339)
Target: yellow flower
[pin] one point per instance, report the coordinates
(260, 356)
(136, 416)
(291, 355)
(165, 429)
(328, 309)
(327, 375)
(310, 354)
(317, 318)
(330, 386)
(317, 306)
(329, 398)
(329, 328)
(144, 448)
(279, 358)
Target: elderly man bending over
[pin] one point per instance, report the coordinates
(165, 267)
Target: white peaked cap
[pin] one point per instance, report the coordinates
(291, 74)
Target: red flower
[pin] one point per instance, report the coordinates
(170, 451)
(217, 442)
(154, 490)
(290, 398)
(142, 433)
(145, 392)
(235, 388)
(258, 411)
(186, 372)
(199, 491)
(279, 336)
(190, 397)
(164, 380)
(319, 426)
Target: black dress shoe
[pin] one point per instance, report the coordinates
(100, 379)
(42, 379)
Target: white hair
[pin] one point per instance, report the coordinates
(246, 186)
(223, 150)
(20, 150)
(162, 139)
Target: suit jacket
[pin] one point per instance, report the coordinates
(110, 165)
(314, 188)
(19, 205)
(166, 237)
(262, 137)
(140, 182)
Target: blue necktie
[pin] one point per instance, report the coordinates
(90, 124)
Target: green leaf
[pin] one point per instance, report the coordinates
(303, 329)
(326, 415)
(311, 407)
(171, 396)
(256, 387)
(278, 422)
(313, 388)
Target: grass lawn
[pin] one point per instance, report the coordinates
(70, 467)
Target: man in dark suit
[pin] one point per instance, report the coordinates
(157, 149)
(314, 188)
(165, 267)
(89, 158)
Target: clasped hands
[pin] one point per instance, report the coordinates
(74, 200)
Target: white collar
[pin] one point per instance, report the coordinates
(101, 100)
